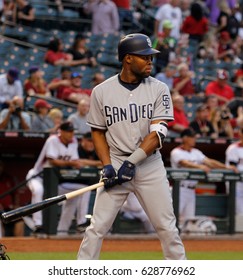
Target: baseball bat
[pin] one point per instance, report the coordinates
(20, 212)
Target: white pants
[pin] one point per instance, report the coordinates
(187, 204)
(151, 187)
(79, 204)
(239, 198)
(76, 206)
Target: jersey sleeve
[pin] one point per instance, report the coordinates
(52, 149)
(200, 156)
(95, 116)
(231, 155)
(175, 157)
(163, 106)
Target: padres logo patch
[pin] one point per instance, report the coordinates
(149, 42)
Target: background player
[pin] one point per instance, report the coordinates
(128, 117)
(187, 156)
(60, 150)
(234, 156)
(131, 209)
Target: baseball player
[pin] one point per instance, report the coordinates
(128, 117)
(187, 156)
(234, 156)
(60, 150)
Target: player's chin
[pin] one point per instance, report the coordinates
(148, 72)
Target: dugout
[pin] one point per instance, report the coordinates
(19, 151)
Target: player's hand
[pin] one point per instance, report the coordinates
(126, 172)
(108, 176)
(233, 168)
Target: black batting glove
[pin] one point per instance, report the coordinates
(108, 176)
(126, 172)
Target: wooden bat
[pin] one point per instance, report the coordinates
(20, 212)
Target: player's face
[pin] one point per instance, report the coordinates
(190, 141)
(67, 136)
(141, 65)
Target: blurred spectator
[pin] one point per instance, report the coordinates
(10, 86)
(132, 210)
(166, 45)
(56, 115)
(183, 83)
(158, 3)
(172, 12)
(41, 121)
(238, 79)
(201, 125)
(79, 118)
(8, 11)
(125, 12)
(225, 47)
(212, 103)
(167, 75)
(57, 56)
(213, 7)
(185, 8)
(180, 121)
(25, 13)
(208, 48)
(1, 8)
(35, 84)
(57, 85)
(14, 118)
(97, 79)
(105, 17)
(59, 5)
(220, 87)
(196, 24)
(220, 119)
(75, 92)
(227, 20)
(80, 51)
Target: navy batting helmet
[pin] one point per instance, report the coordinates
(135, 44)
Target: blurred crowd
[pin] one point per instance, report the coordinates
(192, 36)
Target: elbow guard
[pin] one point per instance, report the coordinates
(161, 129)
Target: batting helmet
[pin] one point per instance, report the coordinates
(135, 44)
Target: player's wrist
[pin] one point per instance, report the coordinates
(137, 156)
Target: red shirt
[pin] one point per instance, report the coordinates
(187, 89)
(125, 4)
(69, 90)
(239, 73)
(226, 91)
(28, 85)
(192, 26)
(179, 118)
(51, 56)
(60, 89)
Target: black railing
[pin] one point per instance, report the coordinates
(52, 177)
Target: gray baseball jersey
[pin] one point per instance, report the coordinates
(127, 115)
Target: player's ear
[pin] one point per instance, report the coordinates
(128, 58)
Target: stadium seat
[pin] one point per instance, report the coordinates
(190, 109)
